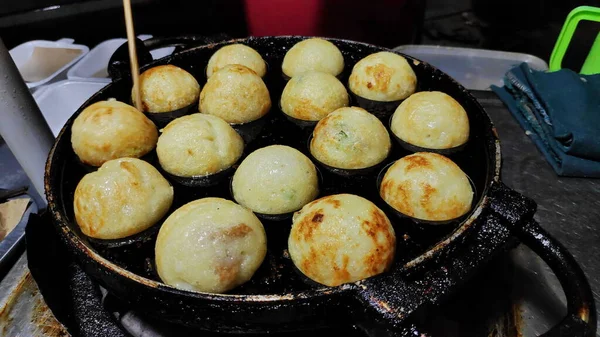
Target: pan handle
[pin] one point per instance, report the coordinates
(581, 309)
(389, 300)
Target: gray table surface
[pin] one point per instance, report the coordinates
(569, 208)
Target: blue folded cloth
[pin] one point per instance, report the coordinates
(560, 111)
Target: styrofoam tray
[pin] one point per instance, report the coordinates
(36, 58)
(475, 69)
(94, 65)
(58, 101)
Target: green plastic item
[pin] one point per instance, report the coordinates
(592, 62)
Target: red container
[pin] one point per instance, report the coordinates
(383, 22)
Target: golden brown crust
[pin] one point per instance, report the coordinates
(417, 163)
(236, 54)
(109, 130)
(335, 203)
(341, 273)
(310, 222)
(383, 77)
(376, 229)
(313, 55)
(210, 245)
(236, 94)
(123, 197)
(238, 231)
(341, 238)
(228, 272)
(350, 138)
(275, 179)
(427, 186)
(167, 88)
(432, 120)
(198, 145)
(312, 95)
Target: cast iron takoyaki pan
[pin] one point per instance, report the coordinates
(427, 267)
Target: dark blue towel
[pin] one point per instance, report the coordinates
(561, 112)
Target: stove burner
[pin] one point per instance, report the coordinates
(483, 308)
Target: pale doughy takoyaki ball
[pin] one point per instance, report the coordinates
(312, 95)
(123, 197)
(275, 179)
(427, 186)
(341, 238)
(210, 245)
(198, 145)
(432, 120)
(236, 54)
(109, 130)
(167, 88)
(383, 77)
(236, 94)
(350, 138)
(313, 55)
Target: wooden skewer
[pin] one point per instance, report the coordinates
(133, 61)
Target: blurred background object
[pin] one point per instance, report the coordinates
(577, 15)
(90, 22)
(386, 23)
(525, 26)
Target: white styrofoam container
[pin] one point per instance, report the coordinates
(59, 101)
(23, 52)
(94, 65)
(475, 69)
(161, 52)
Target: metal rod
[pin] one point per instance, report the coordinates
(22, 124)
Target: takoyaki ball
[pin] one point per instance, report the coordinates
(210, 245)
(236, 54)
(198, 145)
(431, 120)
(383, 77)
(350, 138)
(427, 186)
(275, 179)
(167, 88)
(123, 197)
(341, 238)
(109, 130)
(236, 94)
(313, 55)
(312, 95)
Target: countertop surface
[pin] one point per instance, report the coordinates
(568, 208)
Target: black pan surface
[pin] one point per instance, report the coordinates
(428, 265)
